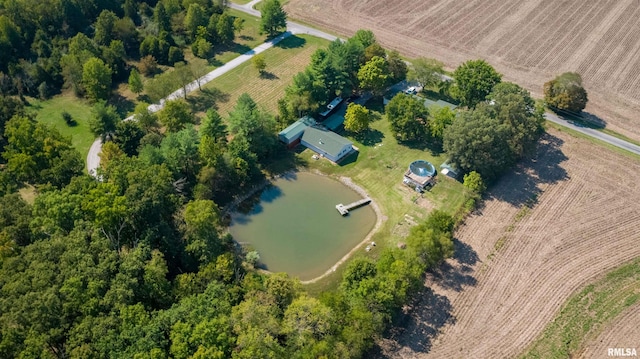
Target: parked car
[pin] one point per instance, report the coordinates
(411, 90)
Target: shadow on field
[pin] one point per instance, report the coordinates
(291, 42)
(416, 326)
(521, 186)
(420, 322)
(207, 98)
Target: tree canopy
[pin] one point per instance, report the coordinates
(565, 92)
(274, 19)
(474, 80)
(491, 137)
(408, 118)
(356, 118)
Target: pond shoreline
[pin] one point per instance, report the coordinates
(376, 227)
(346, 181)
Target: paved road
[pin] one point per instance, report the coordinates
(93, 158)
(292, 26)
(594, 133)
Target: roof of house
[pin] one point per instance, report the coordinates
(439, 103)
(297, 127)
(327, 141)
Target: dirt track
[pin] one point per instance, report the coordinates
(623, 333)
(528, 41)
(513, 268)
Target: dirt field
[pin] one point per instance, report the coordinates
(624, 333)
(528, 41)
(556, 223)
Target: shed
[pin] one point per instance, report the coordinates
(326, 143)
(292, 134)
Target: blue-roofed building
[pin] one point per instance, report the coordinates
(291, 135)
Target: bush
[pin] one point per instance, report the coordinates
(565, 92)
(148, 65)
(473, 181)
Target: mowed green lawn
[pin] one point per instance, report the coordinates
(379, 167)
(284, 60)
(50, 112)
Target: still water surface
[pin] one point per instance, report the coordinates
(296, 228)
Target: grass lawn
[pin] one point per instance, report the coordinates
(284, 60)
(50, 112)
(588, 312)
(379, 167)
(246, 40)
(241, 2)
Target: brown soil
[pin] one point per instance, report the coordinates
(623, 333)
(528, 41)
(547, 229)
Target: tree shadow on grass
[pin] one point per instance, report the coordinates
(369, 138)
(291, 42)
(268, 75)
(433, 146)
(521, 185)
(207, 99)
(122, 104)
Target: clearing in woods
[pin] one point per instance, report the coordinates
(546, 230)
(284, 60)
(528, 41)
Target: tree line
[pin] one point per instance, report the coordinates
(88, 46)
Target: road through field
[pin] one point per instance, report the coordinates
(529, 42)
(547, 229)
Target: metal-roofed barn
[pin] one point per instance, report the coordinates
(326, 143)
(292, 134)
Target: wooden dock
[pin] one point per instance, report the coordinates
(344, 209)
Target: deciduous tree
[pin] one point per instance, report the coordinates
(96, 78)
(357, 118)
(428, 72)
(565, 92)
(175, 115)
(408, 118)
(374, 75)
(474, 80)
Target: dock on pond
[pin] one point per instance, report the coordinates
(344, 209)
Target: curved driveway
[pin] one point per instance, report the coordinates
(93, 158)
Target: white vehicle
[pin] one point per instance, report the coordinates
(411, 90)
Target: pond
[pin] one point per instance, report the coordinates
(296, 228)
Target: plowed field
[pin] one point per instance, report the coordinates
(528, 41)
(623, 333)
(549, 228)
